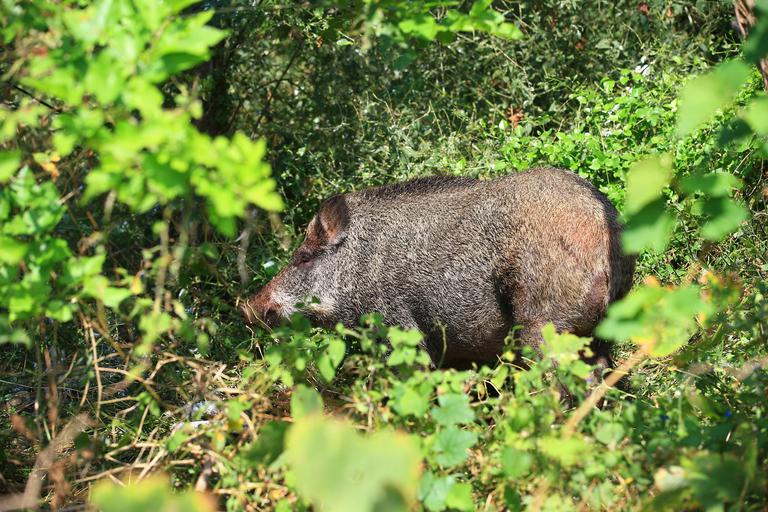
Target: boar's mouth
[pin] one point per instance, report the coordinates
(265, 315)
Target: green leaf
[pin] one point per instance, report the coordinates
(305, 401)
(104, 78)
(454, 409)
(410, 399)
(339, 470)
(460, 497)
(452, 446)
(565, 450)
(152, 493)
(423, 26)
(660, 319)
(562, 347)
(723, 215)
(399, 337)
(177, 439)
(516, 463)
(59, 311)
(88, 25)
(610, 433)
(330, 359)
(433, 491)
(646, 180)
(756, 45)
(12, 251)
(756, 114)
(9, 164)
(14, 336)
(269, 445)
(711, 184)
(704, 95)
(650, 228)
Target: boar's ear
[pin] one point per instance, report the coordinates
(329, 227)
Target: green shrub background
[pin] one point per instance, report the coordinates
(159, 161)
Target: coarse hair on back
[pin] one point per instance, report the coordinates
(418, 187)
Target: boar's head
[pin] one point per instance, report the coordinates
(311, 275)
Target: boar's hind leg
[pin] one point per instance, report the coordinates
(530, 336)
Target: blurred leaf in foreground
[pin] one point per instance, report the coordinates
(151, 495)
(661, 319)
(339, 470)
(706, 94)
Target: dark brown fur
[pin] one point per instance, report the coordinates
(461, 260)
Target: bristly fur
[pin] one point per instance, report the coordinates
(462, 260)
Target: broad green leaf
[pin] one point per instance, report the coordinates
(340, 470)
(104, 78)
(562, 347)
(610, 433)
(723, 215)
(59, 311)
(89, 25)
(269, 445)
(706, 94)
(453, 409)
(516, 463)
(434, 490)
(398, 337)
(85, 266)
(756, 113)
(756, 45)
(460, 497)
(15, 336)
(423, 26)
(710, 184)
(646, 180)
(660, 319)
(177, 439)
(411, 400)
(565, 450)
(151, 494)
(452, 446)
(305, 401)
(330, 358)
(9, 164)
(12, 251)
(650, 228)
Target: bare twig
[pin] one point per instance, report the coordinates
(29, 498)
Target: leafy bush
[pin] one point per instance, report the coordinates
(129, 166)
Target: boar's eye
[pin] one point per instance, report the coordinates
(303, 257)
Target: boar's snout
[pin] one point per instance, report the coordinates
(261, 309)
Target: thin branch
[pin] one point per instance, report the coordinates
(42, 102)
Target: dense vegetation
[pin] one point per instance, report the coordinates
(159, 161)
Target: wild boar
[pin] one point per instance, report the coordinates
(462, 260)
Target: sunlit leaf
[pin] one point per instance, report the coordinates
(516, 463)
(452, 445)
(460, 497)
(723, 215)
(9, 164)
(708, 93)
(565, 450)
(305, 401)
(649, 228)
(340, 470)
(756, 113)
(453, 409)
(660, 319)
(12, 251)
(153, 494)
(711, 184)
